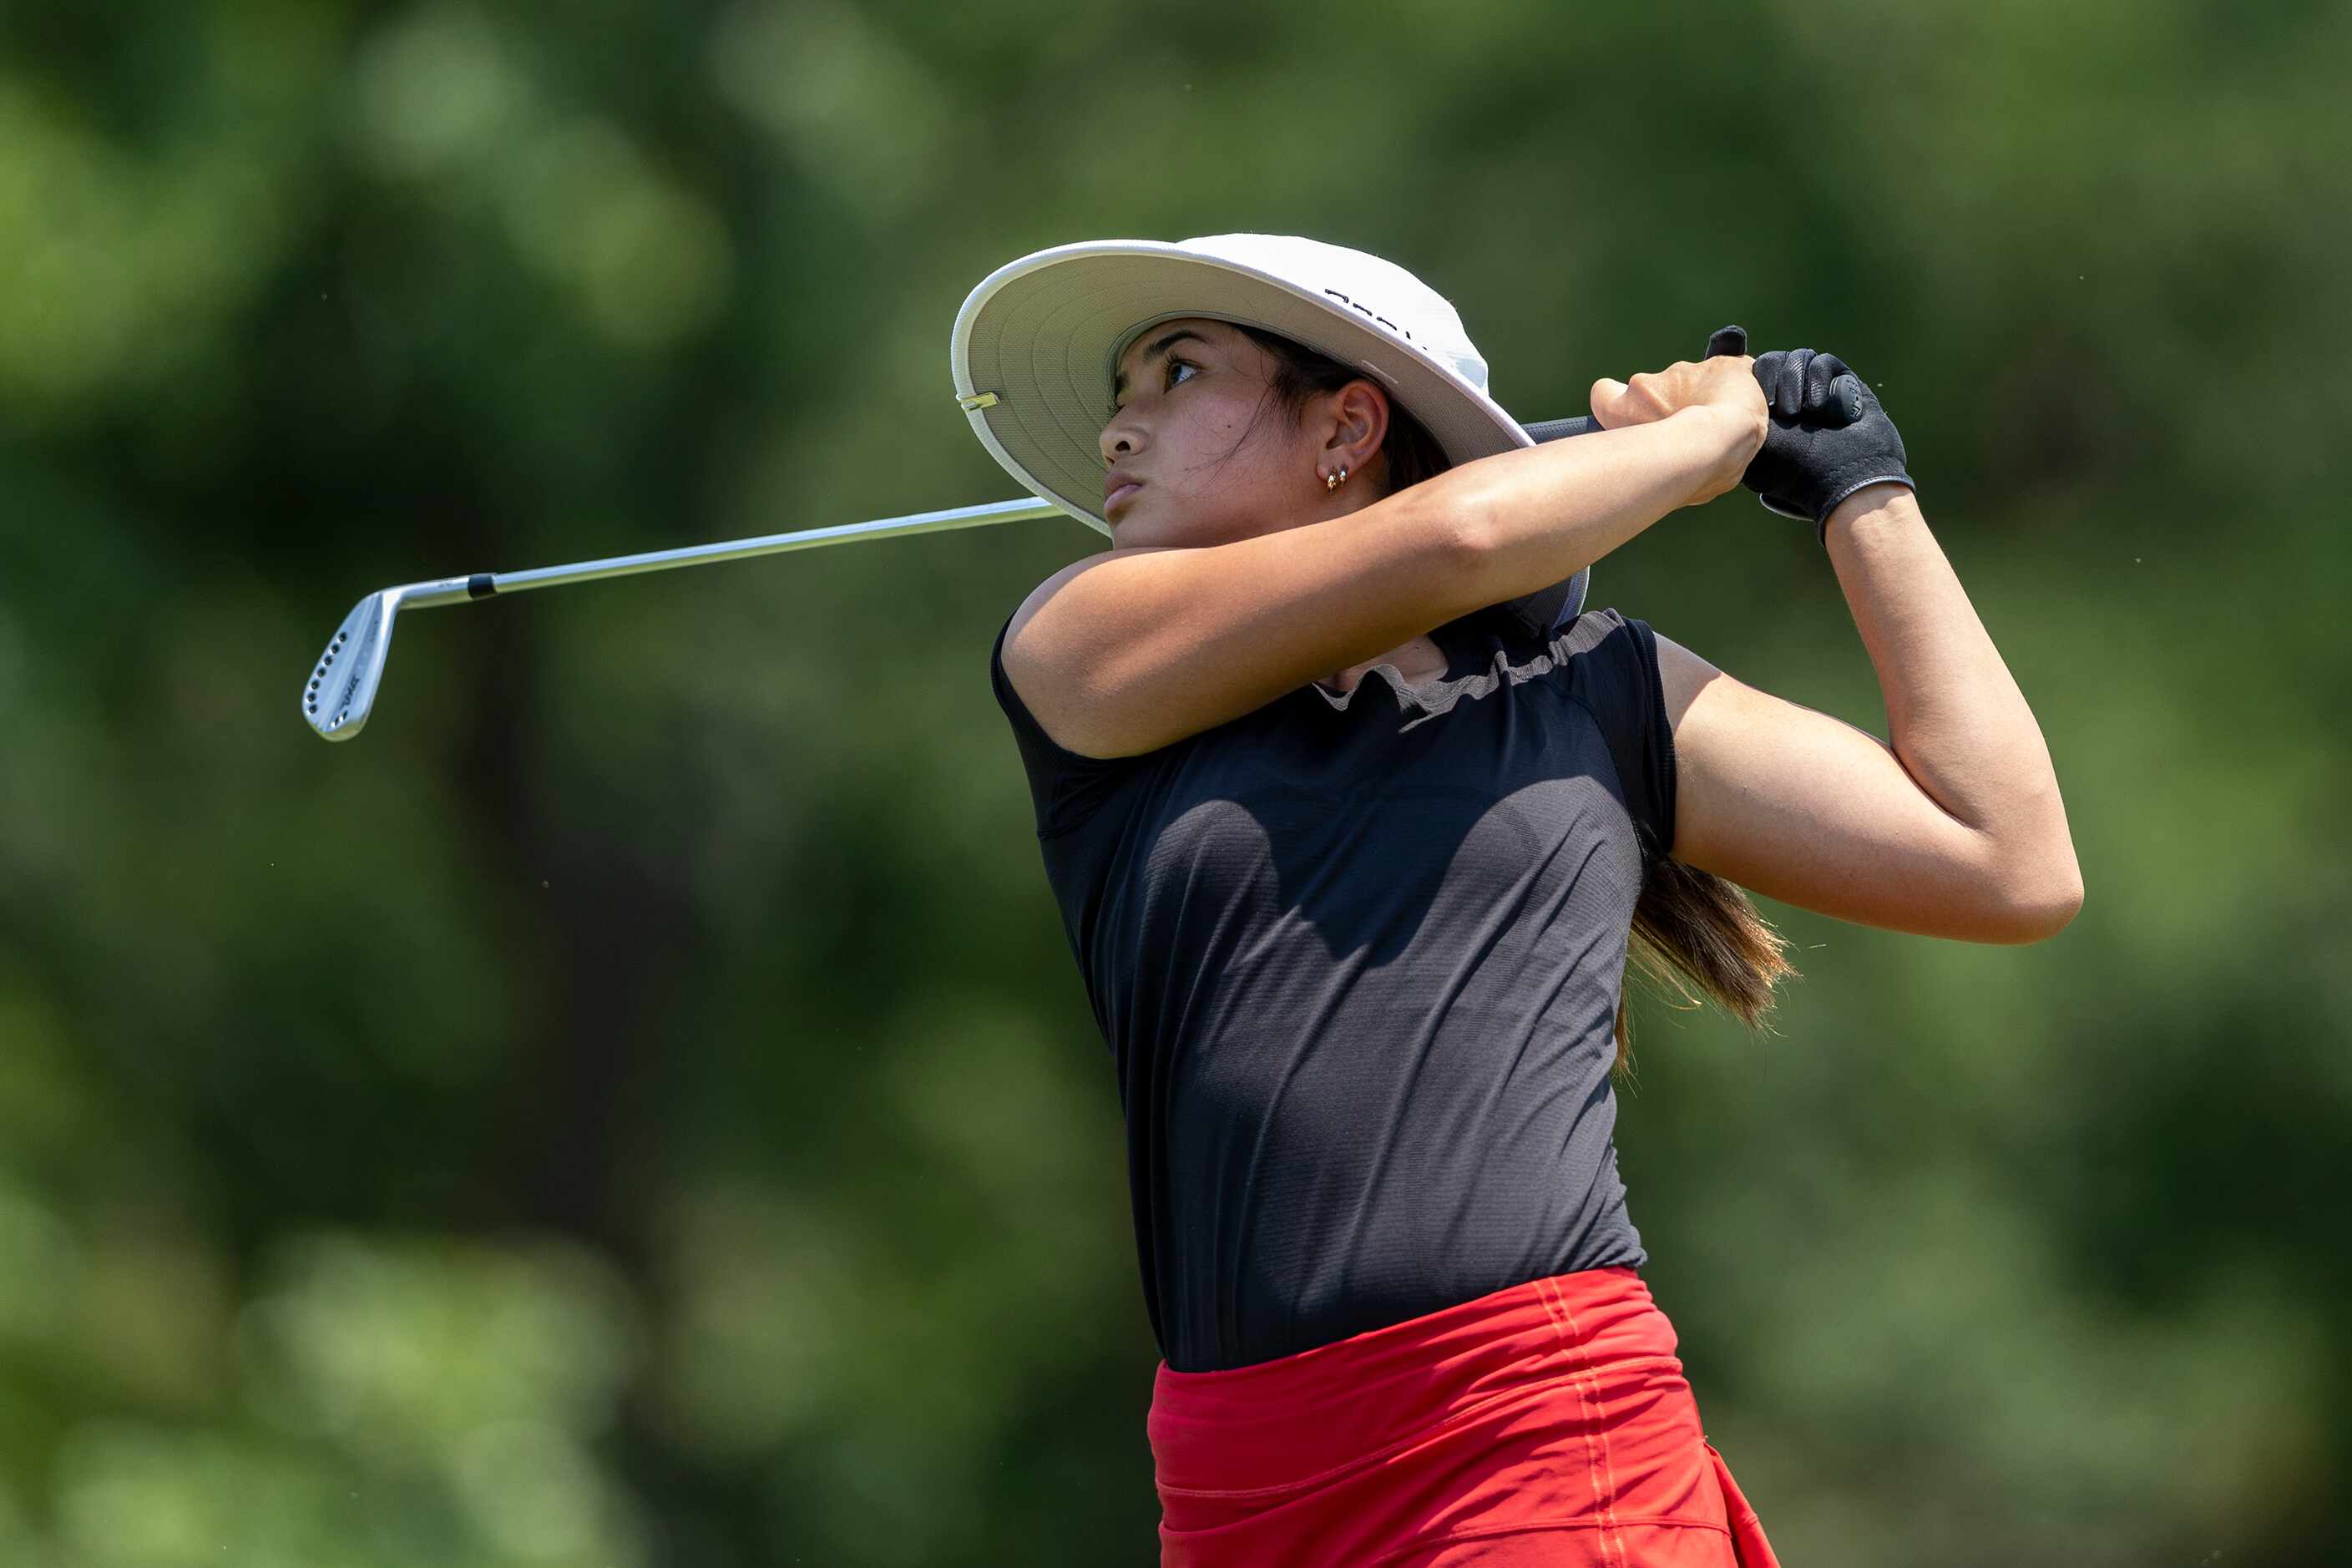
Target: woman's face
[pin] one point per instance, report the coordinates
(1213, 457)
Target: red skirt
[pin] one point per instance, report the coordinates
(1547, 1424)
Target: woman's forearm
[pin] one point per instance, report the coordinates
(1541, 514)
(1955, 717)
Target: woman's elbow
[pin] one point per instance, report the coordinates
(2043, 902)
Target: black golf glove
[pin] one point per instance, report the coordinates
(1828, 437)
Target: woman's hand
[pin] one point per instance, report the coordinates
(1721, 391)
(1829, 438)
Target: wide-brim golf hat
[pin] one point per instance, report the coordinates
(1037, 343)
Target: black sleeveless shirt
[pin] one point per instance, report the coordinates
(1357, 957)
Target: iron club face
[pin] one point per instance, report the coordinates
(342, 684)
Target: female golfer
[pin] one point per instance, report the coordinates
(1354, 816)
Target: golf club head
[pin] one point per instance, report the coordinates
(341, 687)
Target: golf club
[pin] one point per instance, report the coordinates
(341, 688)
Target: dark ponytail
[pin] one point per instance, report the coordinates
(1694, 934)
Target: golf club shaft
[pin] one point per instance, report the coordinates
(486, 585)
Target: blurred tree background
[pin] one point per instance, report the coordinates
(635, 1106)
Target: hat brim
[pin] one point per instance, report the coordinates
(1037, 343)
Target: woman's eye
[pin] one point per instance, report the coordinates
(1169, 376)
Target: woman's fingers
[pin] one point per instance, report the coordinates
(1651, 394)
(1800, 386)
(1725, 376)
(1824, 369)
(1606, 396)
(1833, 393)
(1815, 387)
(1787, 391)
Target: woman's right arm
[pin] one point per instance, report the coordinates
(1130, 650)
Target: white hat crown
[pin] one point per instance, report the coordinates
(1384, 294)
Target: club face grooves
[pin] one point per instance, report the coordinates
(340, 690)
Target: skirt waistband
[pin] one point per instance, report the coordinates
(1283, 1423)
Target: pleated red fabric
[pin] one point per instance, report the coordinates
(1547, 1424)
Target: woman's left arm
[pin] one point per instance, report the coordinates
(1955, 830)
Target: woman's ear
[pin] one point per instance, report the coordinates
(1359, 423)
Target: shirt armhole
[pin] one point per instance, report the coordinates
(1617, 663)
(1063, 785)
(1657, 739)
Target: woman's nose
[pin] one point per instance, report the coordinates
(1117, 440)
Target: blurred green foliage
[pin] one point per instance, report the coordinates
(635, 1106)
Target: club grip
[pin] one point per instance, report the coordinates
(1553, 429)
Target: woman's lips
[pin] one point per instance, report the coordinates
(1118, 496)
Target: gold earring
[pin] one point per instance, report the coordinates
(1334, 480)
